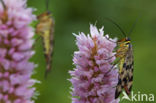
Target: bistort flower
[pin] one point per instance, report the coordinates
(15, 51)
(93, 78)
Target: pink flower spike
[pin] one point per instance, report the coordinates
(93, 78)
(15, 51)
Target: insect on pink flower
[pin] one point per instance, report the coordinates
(15, 51)
(93, 78)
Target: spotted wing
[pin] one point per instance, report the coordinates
(129, 66)
(122, 75)
(49, 44)
(125, 78)
(45, 28)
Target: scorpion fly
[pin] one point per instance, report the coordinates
(45, 29)
(124, 53)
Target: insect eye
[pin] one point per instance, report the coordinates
(48, 12)
(128, 39)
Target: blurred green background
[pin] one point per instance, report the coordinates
(73, 16)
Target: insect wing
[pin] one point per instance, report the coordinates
(126, 73)
(129, 61)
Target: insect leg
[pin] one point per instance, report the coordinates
(115, 55)
(110, 57)
(109, 39)
(112, 68)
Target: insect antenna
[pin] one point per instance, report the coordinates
(3, 4)
(47, 6)
(116, 26)
(132, 28)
